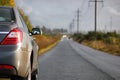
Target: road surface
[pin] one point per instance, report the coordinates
(69, 60)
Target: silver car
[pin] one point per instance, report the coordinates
(18, 50)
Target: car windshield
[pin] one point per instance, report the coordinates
(5, 15)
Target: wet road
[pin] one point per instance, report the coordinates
(69, 60)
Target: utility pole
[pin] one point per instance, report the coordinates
(95, 15)
(73, 23)
(105, 28)
(78, 15)
(70, 28)
(111, 23)
(95, 23)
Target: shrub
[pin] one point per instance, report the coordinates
(109, 37)
(79, 37)
(112, 38)
(119, 40)
(108, 40)
(94, 36)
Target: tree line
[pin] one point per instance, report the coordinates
(49, 31)
(7, 3)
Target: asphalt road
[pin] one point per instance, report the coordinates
(69, 60)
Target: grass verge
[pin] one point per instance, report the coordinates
(45, 43)
(42, 51)
(102, 46)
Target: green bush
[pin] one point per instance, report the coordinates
(119, 40)
(79, 37)
(90, 36)
(109, 37)
(108, 40)
(94, 36)
(112, 34)
(112, 38)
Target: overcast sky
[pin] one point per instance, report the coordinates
(60, 13)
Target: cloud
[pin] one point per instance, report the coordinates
(19, 3)
(36, 12)
(113, 11)
(22, 4)
(28, 9)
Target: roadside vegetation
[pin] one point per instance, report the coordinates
(7, 3)
(46, 42)
(108, 42)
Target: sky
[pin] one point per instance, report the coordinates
(60, 13)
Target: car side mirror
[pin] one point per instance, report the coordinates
(36, 31)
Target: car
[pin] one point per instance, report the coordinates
(64, 36)
(18, 50)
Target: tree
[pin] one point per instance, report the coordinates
(7, 2)
(12, 2)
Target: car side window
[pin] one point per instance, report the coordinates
(24, 25)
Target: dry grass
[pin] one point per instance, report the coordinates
(45, 42)
(42, 51)
(100, 45)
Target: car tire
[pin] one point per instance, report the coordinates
(24, 78)
(35, 77)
